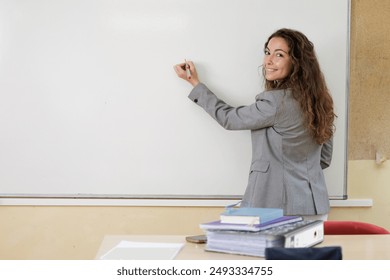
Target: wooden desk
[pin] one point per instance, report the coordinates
(354, 247)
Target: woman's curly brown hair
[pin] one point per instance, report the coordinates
(307, 83)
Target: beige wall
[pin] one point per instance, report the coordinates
(369, 83)
(69, 232)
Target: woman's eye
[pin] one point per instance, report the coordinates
(266, 52)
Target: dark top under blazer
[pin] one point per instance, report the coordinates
(286, 169)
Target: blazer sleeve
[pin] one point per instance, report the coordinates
(258, 115)
(326, 153)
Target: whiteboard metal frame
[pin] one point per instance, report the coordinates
(168, 200)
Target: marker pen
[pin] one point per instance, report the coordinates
(187, 70)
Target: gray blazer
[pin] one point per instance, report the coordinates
(286, 169)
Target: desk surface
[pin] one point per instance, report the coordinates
(354, 247)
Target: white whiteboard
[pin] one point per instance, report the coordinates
(90, 104)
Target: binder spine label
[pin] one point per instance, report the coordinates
(306, 238)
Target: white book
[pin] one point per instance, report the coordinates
(218, 225)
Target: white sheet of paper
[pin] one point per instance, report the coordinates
(128, 250)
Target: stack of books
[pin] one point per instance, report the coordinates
(268, 228)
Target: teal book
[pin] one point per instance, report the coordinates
(249, 215)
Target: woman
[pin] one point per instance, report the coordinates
(291, 125)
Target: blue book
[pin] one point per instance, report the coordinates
(217, 225)
(250, 215)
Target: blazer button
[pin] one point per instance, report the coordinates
(196, 100)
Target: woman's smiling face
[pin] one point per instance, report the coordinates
(277, 61)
